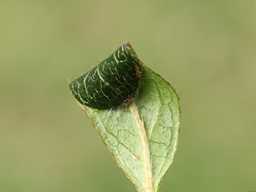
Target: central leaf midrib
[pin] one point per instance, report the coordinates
(148, 179)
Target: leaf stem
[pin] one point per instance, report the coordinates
(148, 182)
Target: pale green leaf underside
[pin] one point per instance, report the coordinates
(142, 137)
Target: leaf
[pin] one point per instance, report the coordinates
(143, 136)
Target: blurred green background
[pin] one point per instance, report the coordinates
(205, 49)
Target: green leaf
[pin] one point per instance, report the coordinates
(143, 136)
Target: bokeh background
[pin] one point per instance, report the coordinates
(205, 49)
